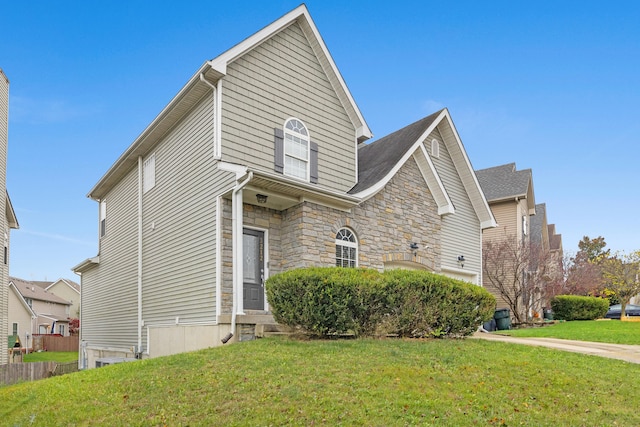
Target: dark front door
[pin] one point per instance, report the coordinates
(253, 267)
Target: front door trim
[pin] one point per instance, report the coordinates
(265, 255)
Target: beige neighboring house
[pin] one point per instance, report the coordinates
(49, 313)
(66, 289)
(8, 220)
(259, 165)
(511, 197)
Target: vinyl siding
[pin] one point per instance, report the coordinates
(20, 315)
(507, 219)
(179, 223)
(461, 234)
(4, 269)
(279, 79)
(110, 294)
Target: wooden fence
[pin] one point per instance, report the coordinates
(55, 343)
(19, 372)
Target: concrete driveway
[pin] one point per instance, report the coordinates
(628, 353)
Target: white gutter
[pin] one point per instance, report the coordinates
(139, 349)
(237, 225)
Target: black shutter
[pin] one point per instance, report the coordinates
(313, 172)
(278, 160)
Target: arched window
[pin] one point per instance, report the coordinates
(296, 149)
(346, 248)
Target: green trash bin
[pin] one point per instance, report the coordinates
(503, 319)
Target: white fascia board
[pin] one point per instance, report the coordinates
(469, 179)
(84, 265)
(238, 170)
(219, 63)
(431, 177)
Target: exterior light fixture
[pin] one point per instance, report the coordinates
(461, 261)
(414, 247)
(262, 199)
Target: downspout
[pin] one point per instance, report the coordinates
(216, 154)
(236, 230)
(138, 350)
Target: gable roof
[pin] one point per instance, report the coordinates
(538, 224)
(501, 183)
(30, 290)
(380, 160)
(70, 283)
(13, 287)
(212, 71)
(555, 240)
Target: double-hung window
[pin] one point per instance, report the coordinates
(296, 149)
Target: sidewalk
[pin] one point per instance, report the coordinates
(628, 353)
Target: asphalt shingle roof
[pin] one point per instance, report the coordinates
(501, 182)
(31, 290)
(377, 159)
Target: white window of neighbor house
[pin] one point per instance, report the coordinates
(296, 149)
(346, 248)
(103, 218)
(149, 173)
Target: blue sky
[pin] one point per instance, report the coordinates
(552, 86)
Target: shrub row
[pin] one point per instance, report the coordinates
(328, 301)
(574, 307)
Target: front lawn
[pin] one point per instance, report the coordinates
(609, 331)
(279, 381)
(53, 356)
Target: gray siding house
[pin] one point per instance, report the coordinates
(8, 219)
(259, 165)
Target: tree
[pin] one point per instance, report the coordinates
(621, 274)
(592, 250)
(74, 326)
(522, 273)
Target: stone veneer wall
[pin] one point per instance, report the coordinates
(385, 225)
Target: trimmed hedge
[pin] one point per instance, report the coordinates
(327, 301)
(575, 307)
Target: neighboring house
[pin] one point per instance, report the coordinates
(49, 313)
(511, 198)
(545, 241)
(8, 220)
(22, 318)
(66, 289)
(259, 165)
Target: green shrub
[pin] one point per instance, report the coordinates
(574, 307)
(326, 301)
(423, 304)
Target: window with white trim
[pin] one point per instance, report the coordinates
(346, 248)
(149, 173)
(15, 329)
(296, 149)
(103, 218)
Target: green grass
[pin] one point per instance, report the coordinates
(276, 382)
(608, 331)
(54, 356)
